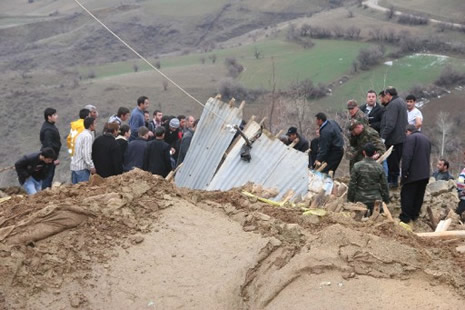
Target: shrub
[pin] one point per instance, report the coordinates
(450, 77)
(410, 19)
(230, 88)
(370, 56)
(234, 68)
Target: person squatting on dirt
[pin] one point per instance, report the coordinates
(367, 180)
(33, 168)
(393, 127)
(50, 137)
(292, 136)
(82, 165)
(415, 173)
(106, 152)
(331, 144)
(461, 191)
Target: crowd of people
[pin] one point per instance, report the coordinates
(160, 144)
(371, 130)
(157, 145)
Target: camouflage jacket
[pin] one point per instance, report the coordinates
(357, 142)
(368, 183)
(360, 117)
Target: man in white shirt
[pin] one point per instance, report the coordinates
(415, 117)
(81, 162)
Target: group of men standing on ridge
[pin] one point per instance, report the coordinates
(158, 145)
(372, 129)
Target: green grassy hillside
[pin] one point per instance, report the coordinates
(326, 61)
(402, 73)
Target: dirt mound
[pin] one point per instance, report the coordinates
(136, 241)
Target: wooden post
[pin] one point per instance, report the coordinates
(172, 173)
(231, 102)
(387, 212)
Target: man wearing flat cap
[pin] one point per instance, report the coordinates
(301, 144)
(361, 134)
(355, 114)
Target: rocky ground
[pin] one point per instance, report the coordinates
(136, 241)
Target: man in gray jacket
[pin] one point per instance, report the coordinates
(393, 126)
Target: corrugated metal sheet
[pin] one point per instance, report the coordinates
(273, 165)
(210, 142)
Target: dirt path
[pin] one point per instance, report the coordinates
(194, 259)
(373, 4)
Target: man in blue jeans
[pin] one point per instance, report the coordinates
(81, 162)
(33, 168)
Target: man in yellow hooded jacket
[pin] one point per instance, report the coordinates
(77, 127)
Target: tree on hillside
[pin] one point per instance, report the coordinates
(444, 125)
(212, 58)
(353, 33)
(370, 56)
(234, 68)
(257, 53)
(390, 13)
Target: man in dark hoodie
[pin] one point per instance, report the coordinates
(301, 142)
(134, 156)
(415, 173)
(50, 137)
(393, 126)
(33, 168)
(331, 143)
(157, 157)
(106, 153)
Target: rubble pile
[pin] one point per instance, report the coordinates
(58, 246)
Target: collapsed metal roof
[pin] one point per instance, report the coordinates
(273, 164)
(212, 137)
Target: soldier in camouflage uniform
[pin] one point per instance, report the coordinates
(362, 134)
(355, 114)
(367, 180)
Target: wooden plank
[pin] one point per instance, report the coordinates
(443, 234)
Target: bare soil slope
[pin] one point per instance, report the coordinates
(135, 241)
